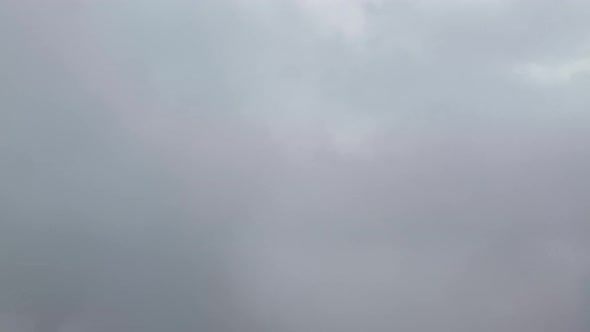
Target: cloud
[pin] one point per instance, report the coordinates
(558, 74)
(296, 165)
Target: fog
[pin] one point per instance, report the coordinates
(294, 165)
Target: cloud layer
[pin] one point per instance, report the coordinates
(295, 165)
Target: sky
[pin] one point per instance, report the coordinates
(294, 165)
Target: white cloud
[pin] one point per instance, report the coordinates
(558, 73)
(347, 18)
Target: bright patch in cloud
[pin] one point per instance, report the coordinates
(557, 73)
(345, 17)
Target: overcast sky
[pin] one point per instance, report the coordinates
(296, 165)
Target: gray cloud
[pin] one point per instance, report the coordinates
(186, 165)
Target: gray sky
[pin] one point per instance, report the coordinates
(296, 165)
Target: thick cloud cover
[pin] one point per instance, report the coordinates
(294, 165)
